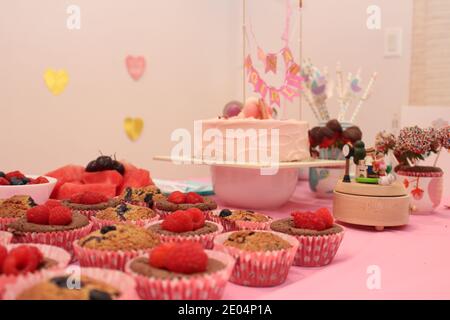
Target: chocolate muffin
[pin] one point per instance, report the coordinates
(89, 207)
(120, 237)
(206, 229)
(141, 266)
(165, 205)
(287, 226)
(256, 241)
(57, 288)
(21, 225)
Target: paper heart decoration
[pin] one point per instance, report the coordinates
(133, 128)
(56, 80)
(135, 66)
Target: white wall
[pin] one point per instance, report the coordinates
(194, 57)
(189, 47)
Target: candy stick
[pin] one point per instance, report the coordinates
(364, 96)
(339, 88)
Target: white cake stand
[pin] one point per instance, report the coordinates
(254, 185)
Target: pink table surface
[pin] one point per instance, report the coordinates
(414, 261)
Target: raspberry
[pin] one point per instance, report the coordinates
(177, 197)
(187, 258)
(326, 217)
(3, 254)
(51, 203)
(88, 197)
(4, 182)
(307, 220)
(179, 221)
(198, 218)
(40, 180)
(14, 174)
(193, 198)
(60, 216)
(22, 259)
(158, 256)
(38, 215)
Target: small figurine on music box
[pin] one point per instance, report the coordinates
(373, 197)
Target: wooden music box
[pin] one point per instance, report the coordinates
(371, 204)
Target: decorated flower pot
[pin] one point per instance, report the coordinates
(424, 185)
(322, 180)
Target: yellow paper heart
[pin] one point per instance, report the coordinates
(56, 80)
(133, 128)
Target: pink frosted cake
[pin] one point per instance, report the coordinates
(253, 137)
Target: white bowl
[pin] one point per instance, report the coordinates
(247, 188)
(39, 192)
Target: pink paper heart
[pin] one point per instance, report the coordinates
(135, 66)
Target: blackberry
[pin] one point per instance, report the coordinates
(92, 166)
(225, 213)
(107, 229)
(99, 295)
(116, 165)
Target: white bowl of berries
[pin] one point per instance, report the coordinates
(16, 183)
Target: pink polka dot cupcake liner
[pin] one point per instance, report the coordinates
(104, 258)
(62, 239)
(121, 281)
(202, 287)
(5, 238)
(206, 240)
(260, 268)
(235, 225)
(317, 251)
(4, 223)
(99, 223)
(61, 256)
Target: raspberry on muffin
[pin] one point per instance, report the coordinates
(315, 230)
(181, 201)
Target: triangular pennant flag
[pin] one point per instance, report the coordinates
(271, 63)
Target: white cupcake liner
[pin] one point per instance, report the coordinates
(259, 268)
(105, 258)
(235, 225)
(61, 256)
(63, 239)
(121, 281)
(206, 240)
(201, 287)
(5, 238)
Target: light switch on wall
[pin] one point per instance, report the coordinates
(393, 42)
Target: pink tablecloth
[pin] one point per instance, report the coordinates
(413, 261)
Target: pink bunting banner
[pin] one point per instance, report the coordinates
(274, 96)
(261, 88)
(289, 93)
(271, 63)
